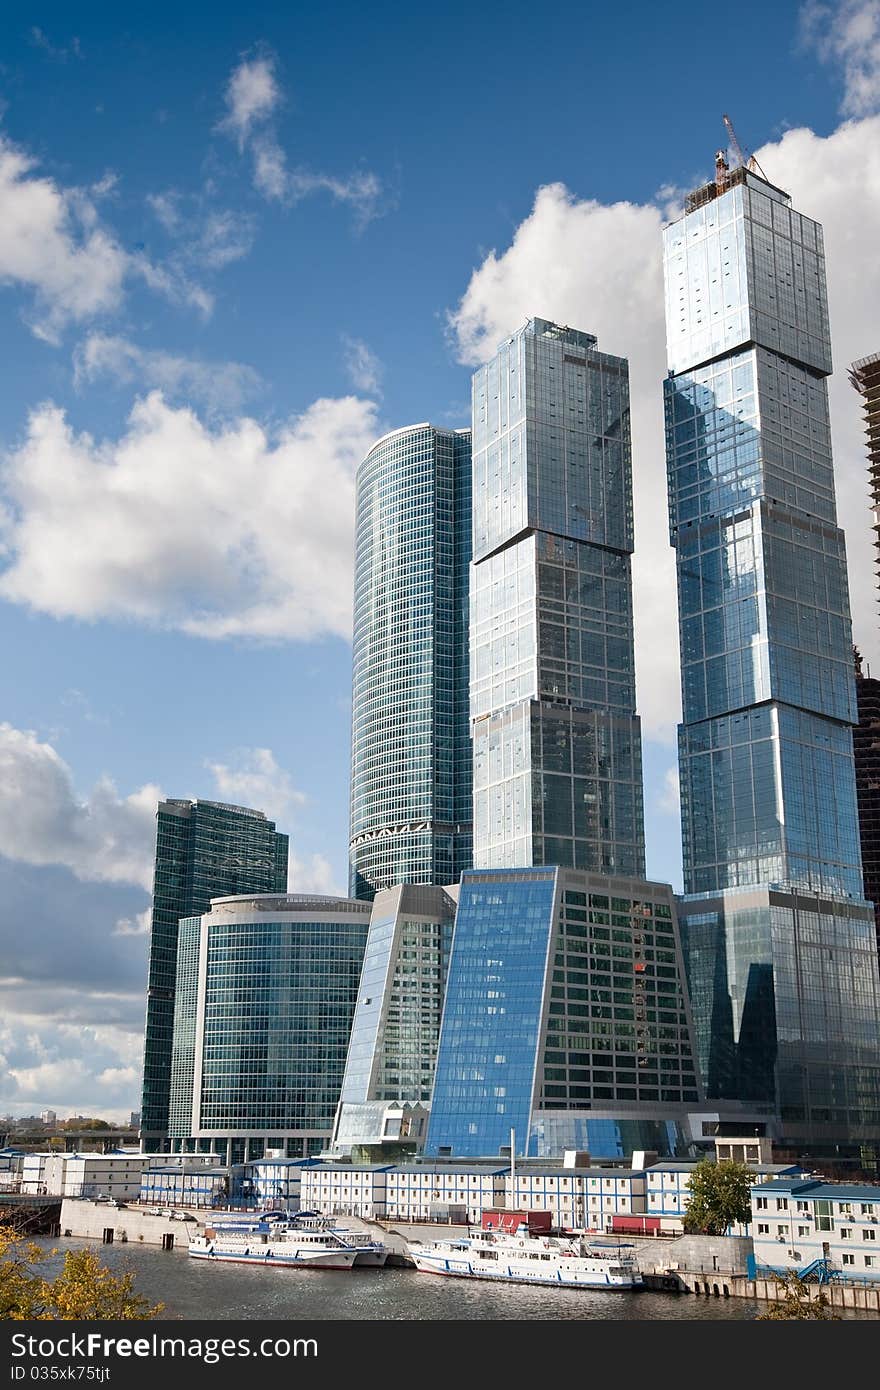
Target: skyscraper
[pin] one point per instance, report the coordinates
(865, 377)
(393, 1047)
(779, 942)
(204, 849)
(411, 752)
(556, 740)
(866, 747)
(566, 1019)
(266, 994)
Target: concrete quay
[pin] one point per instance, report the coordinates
(110, 1223)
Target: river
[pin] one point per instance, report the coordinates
(193, 1289)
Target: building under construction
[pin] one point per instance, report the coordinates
(865, 377)
(866, 747)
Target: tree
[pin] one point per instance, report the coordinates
(796, 1301)
(720, 1197)
(85, 1288)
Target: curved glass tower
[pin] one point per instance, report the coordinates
(266, 996)
(411, 750)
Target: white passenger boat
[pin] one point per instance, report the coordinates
(274, 1243)
(522, 1258)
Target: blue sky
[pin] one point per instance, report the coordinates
(235, 246)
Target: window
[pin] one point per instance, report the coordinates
(760, 1203)
(804, 1230)
(782, 1204)
(849, 1259)
(846, 1233)
(869, 1233)
(869, 1262)
(763, 1229)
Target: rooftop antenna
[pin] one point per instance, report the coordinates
(746, 160)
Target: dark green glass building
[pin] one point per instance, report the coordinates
(204, 850)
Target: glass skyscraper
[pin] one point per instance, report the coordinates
(266, 996)
(204, 849)
(566, 1019)
(556, 739)
(393, 1047)
(411, 750)
(777, 936)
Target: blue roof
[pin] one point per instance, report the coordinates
(833, 1191)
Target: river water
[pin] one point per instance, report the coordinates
(195, 1289)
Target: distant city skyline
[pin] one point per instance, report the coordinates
(221, 288)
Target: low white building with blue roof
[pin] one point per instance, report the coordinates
(668, 1194)
(817, 1227)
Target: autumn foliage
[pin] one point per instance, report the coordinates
(85, 1289)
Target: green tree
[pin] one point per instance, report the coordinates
(796, 1301)
(85, 1288)
(720, 1197)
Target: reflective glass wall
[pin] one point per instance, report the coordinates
(776, 934)
(411, 746)
(276, 987)
(566, 1017)
(768, 699)
(204, 849)
(556, 741)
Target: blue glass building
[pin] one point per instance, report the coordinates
(566, 1019)
(775, 929)
(556, 740)
(268, 986)
(411, 748)
(392, 1052)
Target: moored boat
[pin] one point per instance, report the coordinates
(523, 1258)
(271, 1241)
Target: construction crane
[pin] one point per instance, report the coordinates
(748, 161)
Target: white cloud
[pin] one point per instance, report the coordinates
(847, 34)
(362, 365)
(256, 780)
(75, 270)
(223, 237)
(252, 97)
(68, 1068)
(105, 837)
(670, 797)
(218, 386)
(270, 169)
(52, 243)
(314, 874)
(61, 54)
(205, 240)
(598, 267)
(214, 531)
(139, 925)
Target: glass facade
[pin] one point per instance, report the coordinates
(393, 1048)
(774, 921)
(204, 849)
(411, 748)
(768, 699)
(786, 1009)
(183, 1048)
(277, 982)
(556, 740)
(566, 1017)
